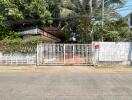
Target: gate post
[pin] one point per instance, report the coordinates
(64, 54)
(96, 48)
(73, 54)
(39, 54)
(93, 54)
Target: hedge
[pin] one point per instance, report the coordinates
(19, 45)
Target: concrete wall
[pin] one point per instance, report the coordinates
(113, 51)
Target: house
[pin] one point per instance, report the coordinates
(129, 20)
(49, 34)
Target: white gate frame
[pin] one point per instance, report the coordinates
(40, 54)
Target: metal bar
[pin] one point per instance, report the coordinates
(64, 54)
(73, 54)
(37, 55)
(61, 54)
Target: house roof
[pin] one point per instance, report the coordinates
(54, 31)
(32, 31)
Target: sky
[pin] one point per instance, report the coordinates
(126, 9)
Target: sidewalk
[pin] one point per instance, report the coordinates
(61, 69)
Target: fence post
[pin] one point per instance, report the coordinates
(96, 48)
(64, 55)
(97, 52)
(37, 55)
(73, 54)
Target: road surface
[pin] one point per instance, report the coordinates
(65, 86)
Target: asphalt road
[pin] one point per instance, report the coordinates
(65, 86)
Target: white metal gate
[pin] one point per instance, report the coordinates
(65, 54)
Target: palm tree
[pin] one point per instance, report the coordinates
(93, 6)
(87, 9)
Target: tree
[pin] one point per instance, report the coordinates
(114, 30)
(72, 16)
(27, 11)
(91, 9)
(17, 14)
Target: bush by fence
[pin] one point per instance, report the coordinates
(18, 51)
(19, 45)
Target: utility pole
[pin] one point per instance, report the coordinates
(102, 17)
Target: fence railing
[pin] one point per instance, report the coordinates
(24, 54)
(65, 54)
(17, 59)
(48, 54)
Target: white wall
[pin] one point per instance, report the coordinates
(129, 20)
(114, 51)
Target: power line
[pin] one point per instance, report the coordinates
(45, 19)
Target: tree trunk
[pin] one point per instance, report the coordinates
(91, 8)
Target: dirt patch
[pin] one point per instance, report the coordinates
(63, 69)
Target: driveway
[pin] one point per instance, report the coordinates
(65, 86)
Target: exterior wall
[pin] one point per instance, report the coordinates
(129, 19)
(113, 52)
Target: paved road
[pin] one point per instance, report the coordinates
(66, 86)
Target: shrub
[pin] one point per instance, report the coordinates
(19, 45)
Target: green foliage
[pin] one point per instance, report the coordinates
(38, 12)
(25, 8)
(5, 33)
(82, 8)
(111, 36)
(125, 34)
(9, 9)
(12, 35)
(15, 11)
(33, 40)
(113, 30)
(19, 45)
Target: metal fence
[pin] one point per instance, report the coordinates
(47, 54)
(65, 54)
(17, 59)
(18, 55)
